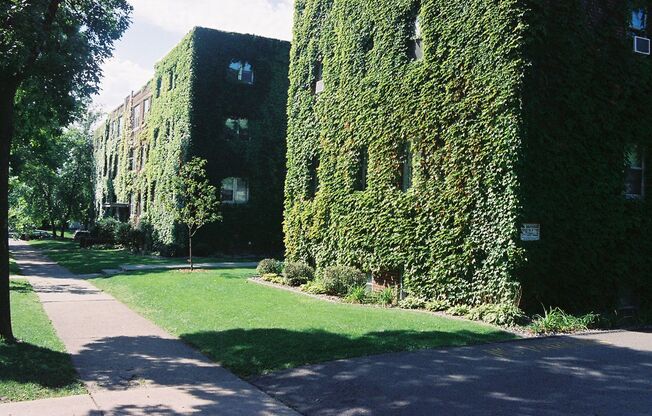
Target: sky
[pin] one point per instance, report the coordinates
(158, 25)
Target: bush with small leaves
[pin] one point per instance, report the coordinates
(267, 266)
(459, 310)
(315, 287)
(412, 302)
(298, 273)
(338, 280)
(503, 315)
(437, 305)
(274, 278)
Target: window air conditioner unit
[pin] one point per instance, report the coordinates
(641, 45)
(319, 86)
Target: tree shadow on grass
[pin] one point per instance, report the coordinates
(24, 363)
(250, 352)
(20, 286)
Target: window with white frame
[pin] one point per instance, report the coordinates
(147, 104)
(235, 191)
(241, 71)
(237, 128)
(634, 172)
(136, 116)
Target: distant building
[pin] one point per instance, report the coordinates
(472, 151)
(219, 96)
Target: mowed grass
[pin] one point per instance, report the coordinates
(91, 260)
(13, 267)
(253, 329)
(37, 367)
(85, 261)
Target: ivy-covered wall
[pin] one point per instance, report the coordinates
(518, 112)
(586, 99)
(453, 234)
(190, 99)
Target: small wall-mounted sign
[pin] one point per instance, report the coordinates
(531, 232)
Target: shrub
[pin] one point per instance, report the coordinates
(412, 302)
(459, 310)
(274, 278)
(298, 273)
(122, 234)
(385, 297)
(437, 305)
(338, 280)
(315, 287)
(556, 321)
(357, 294)
(504, 315)
(267, 266)
(104, 230)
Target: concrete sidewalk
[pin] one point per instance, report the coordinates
(129, 365)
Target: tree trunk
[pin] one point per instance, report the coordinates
(7, 96)
(192, 267)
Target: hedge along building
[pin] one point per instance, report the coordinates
(219, 96)
(473, 151)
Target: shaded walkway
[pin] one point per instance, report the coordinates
(129, 365)
(601, 374)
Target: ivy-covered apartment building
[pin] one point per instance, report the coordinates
(218, 96)
(474, 151)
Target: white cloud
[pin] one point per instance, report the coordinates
(121, 76)
(271, 18)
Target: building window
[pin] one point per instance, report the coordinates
(121, 124)
(136, 116)
(634, 172)
(313, 177)
(416, 41)
(363, 166)
(131, 159)
(147, 104)
(318, 86)
(158, 86)
(241, 71)
(406, 167)
(639, 20)
(235, 191)
(237, 128)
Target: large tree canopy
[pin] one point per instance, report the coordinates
(51, 52)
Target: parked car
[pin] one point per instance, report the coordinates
(81, 234)
(36, 235)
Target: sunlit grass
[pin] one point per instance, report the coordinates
(253, 329)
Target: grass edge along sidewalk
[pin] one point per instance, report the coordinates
(37, 367)
(254, 329)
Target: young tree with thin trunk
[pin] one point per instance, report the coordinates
(51, 52)
(198, 202)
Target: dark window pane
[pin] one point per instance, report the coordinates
(634, 182)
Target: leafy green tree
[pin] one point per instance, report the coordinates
(198, 202)
(51, 52)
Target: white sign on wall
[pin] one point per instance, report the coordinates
(531, 232)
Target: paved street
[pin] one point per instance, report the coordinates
(597, 375)
(129, 365)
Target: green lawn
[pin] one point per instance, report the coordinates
(253, 329)
(85, 261)
(13, 267)
(38, 366)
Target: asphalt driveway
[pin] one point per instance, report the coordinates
(597, 375)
